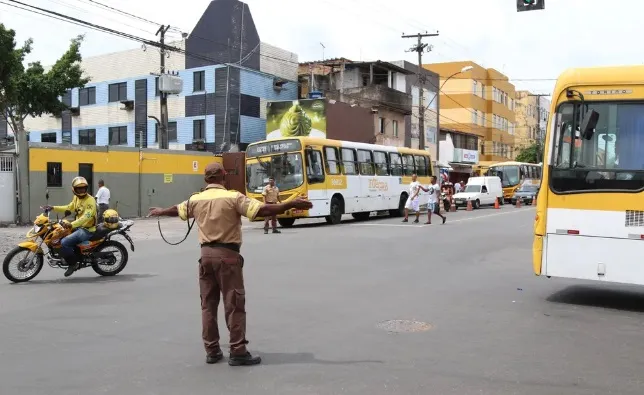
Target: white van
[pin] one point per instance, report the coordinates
(481, 191)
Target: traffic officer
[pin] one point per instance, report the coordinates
(217, 212)
(271, 195)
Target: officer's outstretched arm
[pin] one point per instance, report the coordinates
(164, 212)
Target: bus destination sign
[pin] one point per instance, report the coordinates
(275, 147)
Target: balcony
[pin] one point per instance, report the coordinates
(379, 96)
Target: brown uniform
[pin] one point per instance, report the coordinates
(271, 196)
(217, 212)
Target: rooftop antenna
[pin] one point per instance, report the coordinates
(323, 48)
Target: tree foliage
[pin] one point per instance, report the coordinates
(30, 90)
(530, 154)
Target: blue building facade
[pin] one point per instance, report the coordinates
(222, 105)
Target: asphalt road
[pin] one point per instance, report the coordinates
(315, 297)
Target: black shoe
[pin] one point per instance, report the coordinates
(276, 231)
(265, 231)
(405, 220)
(444, 219)
(71, 267)
(416, 221)
(244, 360)
(214, 358)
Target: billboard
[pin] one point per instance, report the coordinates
(296, 118)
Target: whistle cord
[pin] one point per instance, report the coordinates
(190, 225)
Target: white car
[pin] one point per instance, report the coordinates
(481, 191)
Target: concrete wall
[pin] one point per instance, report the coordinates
(135, 185)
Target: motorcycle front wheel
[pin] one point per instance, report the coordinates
(15, 267)
(114, 261)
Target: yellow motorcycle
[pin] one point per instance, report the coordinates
(25, 261)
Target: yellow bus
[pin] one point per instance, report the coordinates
(590, 210)
(339, 177)
(512, 175)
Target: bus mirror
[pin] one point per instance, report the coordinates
(588, 124)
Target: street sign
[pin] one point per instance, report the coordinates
(530, 5)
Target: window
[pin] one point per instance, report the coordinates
(199, 81)
(198, 129)
(118, 135)
(87, 137)
(380, 160)
(381, 124)
(475, 117)
(87, 96)
(349, 162)
(409, 167)
(156, 87)
(314, 172)
(172, 132)
(331, 156)
(475, 88)
(365, 162)
(48, 138)
(483, 189)
(483, 91)
(395, 164)
(421, 166)
(54, 174)
(117, 92)
(394, 125)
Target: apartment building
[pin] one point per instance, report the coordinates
(477, 119)
(368, 101)
(531, 113)
(222, 107)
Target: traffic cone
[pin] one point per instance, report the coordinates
(469, 205)
(496, 204)
(452, 207)
(519, 203)
(534, 201)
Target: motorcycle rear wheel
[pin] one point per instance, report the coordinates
(117, 267)
(6, 265)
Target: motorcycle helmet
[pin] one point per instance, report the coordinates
(79, 186)
(111, 219)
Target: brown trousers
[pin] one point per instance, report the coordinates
(220, 273)
(273, 219)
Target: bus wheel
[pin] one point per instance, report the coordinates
(401, 207)
(335, 217)
(361, 216)
(286, 222)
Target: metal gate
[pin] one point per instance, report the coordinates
(7, 188)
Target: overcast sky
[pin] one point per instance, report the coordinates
(532, 48)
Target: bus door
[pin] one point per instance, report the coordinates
(315, 177)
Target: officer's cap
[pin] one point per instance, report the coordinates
(214, 169)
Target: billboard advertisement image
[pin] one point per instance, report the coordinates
(296, 118)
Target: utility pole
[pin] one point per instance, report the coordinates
(540, 136)
(163, 127)
(420, 48)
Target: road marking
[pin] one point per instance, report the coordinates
(411, 225)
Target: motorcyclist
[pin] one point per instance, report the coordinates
(84, 206)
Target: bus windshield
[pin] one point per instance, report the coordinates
(611, 159)
(285, 168)
(509, 175)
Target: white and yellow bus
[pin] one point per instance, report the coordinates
(590, 209)
(512, 175)
(339, 177)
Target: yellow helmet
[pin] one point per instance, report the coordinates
(79, 186)
(111, 219)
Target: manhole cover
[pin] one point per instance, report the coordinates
(404, 326)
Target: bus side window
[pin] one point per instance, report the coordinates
(380, 159)
(421, 166)
(365, 162)
(314, 172)
(523, 169)
(409, 167)
(396, 164)
(349, 162)
(332, 165)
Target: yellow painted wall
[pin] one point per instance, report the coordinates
(115, 161)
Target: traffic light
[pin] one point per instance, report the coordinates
(530, 5)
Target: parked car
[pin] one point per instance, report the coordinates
(481, 191)
(526, 193)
